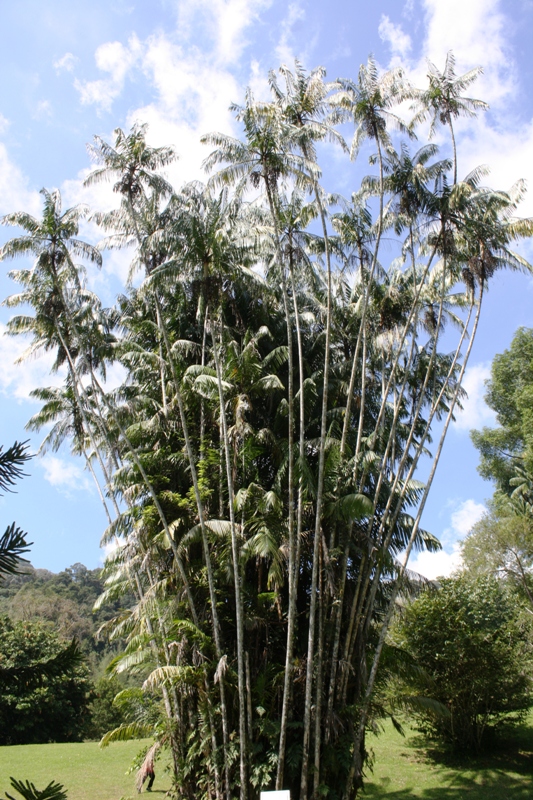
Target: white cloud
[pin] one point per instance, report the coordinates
(193, 86)
(116, 374)
(108, 550)
(399, 42)
(447, 560)
(64, 474)
(231, 18)
(476, 32)
(193, 95)
(43, 110)
(258, 82)
(222, 33)
(475, 413)
(66, 63)
(499, 138)
(436, 565)
(465, 517)
(117, 60)
(223, 24)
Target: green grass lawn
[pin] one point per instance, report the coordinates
(86, 771)
(404, 768)
(408, 768)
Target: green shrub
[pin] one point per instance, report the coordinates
(473, 650)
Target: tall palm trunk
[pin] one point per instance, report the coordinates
(314, 599)
(239, 620)
(273, 203)
(294, 551)
(354, 775)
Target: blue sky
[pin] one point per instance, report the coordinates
(72, 69)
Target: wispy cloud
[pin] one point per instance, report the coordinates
(285, 48)
(107, 550)
(436, 565)
(465, 517)
(43, 110)
(191, 86)
(66, 63)
(15, 191)
(231, 19)
(398, 41)
(477, 33)
(64, 475)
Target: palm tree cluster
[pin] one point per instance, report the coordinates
(286, 354)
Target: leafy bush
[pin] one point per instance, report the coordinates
(474, 651)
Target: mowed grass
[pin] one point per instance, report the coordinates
(408, 768)
(404, 769)
(86, 771)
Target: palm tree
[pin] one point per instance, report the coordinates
(261, 453)
(443, 102)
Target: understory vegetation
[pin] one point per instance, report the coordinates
(288, 356)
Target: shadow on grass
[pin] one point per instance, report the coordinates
(493, 789)
(505, 772)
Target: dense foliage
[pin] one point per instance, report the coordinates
(63, 604)
(44, 689)
(287, 353)
(475, 658)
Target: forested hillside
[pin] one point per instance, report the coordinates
(64, 601)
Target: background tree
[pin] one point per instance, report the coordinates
(509, 446)
(474, 653)
(501, 545)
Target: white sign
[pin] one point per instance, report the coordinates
(284, 794)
